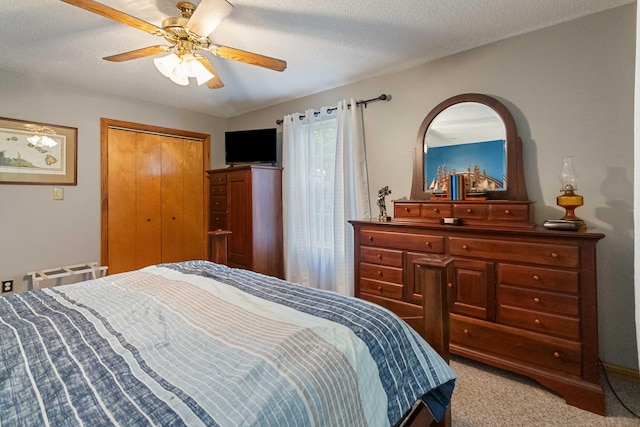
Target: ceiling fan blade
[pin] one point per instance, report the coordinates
(215, 82)
(208, 15)
(138, 53)
(116, 15)
(248, 57)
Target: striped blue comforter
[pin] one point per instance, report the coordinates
(198, 343)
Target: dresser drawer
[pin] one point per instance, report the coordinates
(218, 220)
(218, 204)
(407, 241)
(381, 273)
(436, 211)
(536, 321)
(503, 250)
(406, 210)
(373, 255)
(218, 179)
(470, 211)
(522, 346)
(538, 277)
(534, 299)
(519, 213)
(383, 289)
(218, 190)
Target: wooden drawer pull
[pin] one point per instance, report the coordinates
(465, 247)
(436, 210)
(536, 300)
(554, 255)
(450, 285)
(379, 256)
(380, 288)
(507, 212)
(370, 238)
(428, 244)
(469, 211)
(536, 277)
(380, 273)
(406, 209)
(466, 332)
(536, 321)
(556, 354)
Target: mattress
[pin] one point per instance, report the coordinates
(201, 344)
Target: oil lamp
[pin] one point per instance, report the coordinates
(569, 200)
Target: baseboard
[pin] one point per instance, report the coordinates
(628, 373)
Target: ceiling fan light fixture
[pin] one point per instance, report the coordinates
(197, 70)
(179, 78)
(167, 64)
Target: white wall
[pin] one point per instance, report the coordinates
(570, 90)
(37, 232)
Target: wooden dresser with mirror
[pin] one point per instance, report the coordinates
(521, 298)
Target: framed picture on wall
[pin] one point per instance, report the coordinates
(37, 153)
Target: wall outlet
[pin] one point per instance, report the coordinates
(7, 286)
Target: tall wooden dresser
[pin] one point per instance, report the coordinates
(247, 201)
(520, 297)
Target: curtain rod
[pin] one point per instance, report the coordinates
(383, 97)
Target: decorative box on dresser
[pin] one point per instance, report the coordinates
(247, 201)
(520, 297)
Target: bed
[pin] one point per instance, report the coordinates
(198, 343)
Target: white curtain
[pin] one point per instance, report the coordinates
(325, 184)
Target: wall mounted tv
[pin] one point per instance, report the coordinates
(250, 146)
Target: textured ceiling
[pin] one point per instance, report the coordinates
(326, 43)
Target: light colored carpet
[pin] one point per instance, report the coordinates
(487, 396)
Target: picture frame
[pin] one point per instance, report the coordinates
(37, 153)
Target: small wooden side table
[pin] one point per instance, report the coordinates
(218, 246)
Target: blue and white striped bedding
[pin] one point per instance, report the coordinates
(198, 343)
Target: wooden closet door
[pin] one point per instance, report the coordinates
(121, 201)
(153, 195)
(172, 199)
(194, 201)
(148, 219)
(133, 200)
(182, 200)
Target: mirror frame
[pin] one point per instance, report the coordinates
(516, 189)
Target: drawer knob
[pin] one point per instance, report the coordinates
(436, 210)
(536, 277)
(370, 238)
(465, 247)
(507, 212)
(554, 255)
(556, 354)
(379, 256)
(536, 321)
(379, 273)
(536, 300)
(380, 288)
(406, 209)
(428, 244)
(466, 332)
(449, 285)
(469, 211)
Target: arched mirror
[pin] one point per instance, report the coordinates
(475, 136)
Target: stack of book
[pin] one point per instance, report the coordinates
(457, 187)
(562, 224)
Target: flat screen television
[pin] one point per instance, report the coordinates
(250, 146)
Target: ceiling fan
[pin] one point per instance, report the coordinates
(186, 35)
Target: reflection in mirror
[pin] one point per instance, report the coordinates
(466, 139)
(476, 135)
